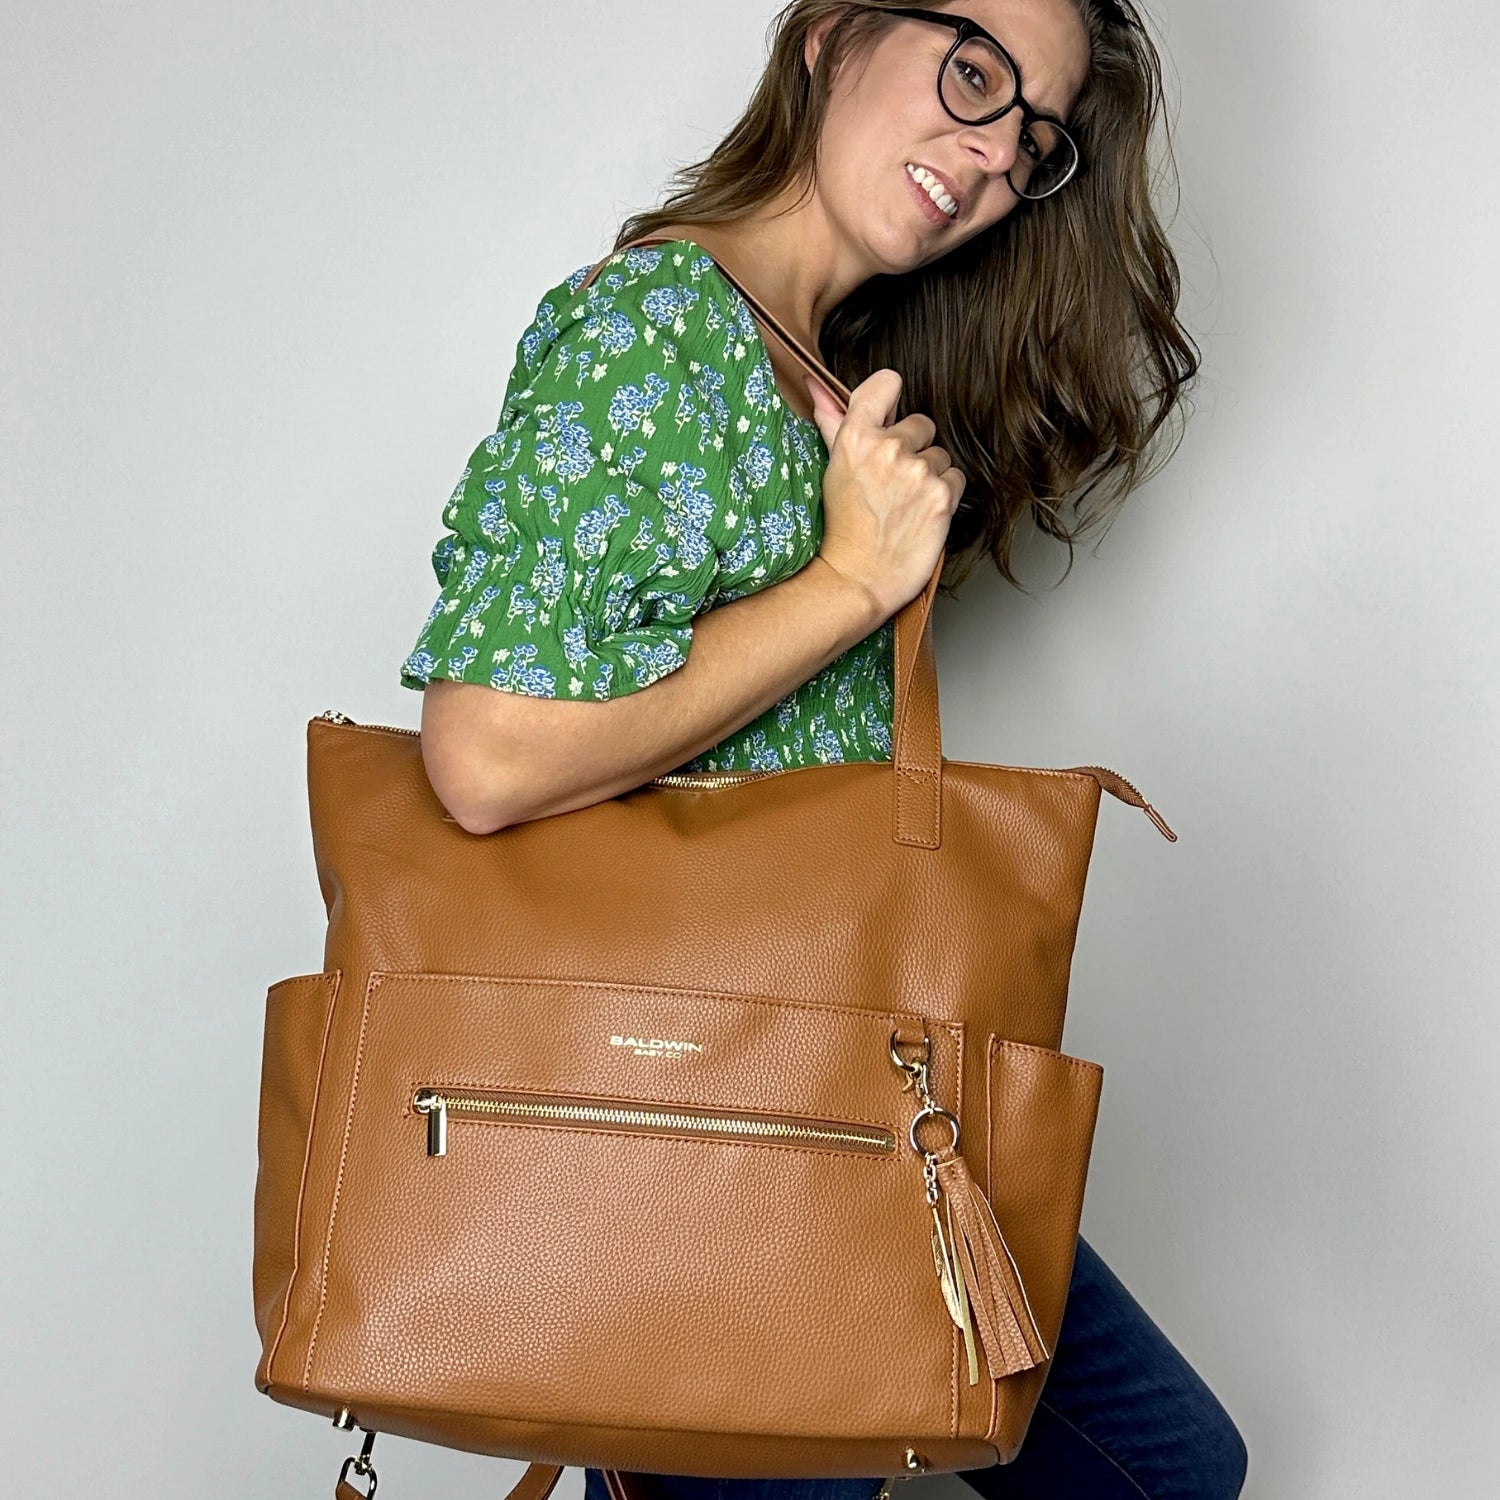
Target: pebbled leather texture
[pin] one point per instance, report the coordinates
(646, 1289)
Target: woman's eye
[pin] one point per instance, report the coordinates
(1030, 146)
(972, 76)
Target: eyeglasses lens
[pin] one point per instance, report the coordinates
(975, 82)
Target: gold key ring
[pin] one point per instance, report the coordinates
(932, 1109)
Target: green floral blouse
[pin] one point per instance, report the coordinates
(644, 468)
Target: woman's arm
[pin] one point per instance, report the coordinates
(497, 758)
(501, 757)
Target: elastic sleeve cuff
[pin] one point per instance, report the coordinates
(574, 659)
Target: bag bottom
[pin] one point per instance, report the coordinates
(648, 1450)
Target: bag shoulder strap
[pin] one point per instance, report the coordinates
(916, 733)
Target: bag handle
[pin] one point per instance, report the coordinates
(916, 732)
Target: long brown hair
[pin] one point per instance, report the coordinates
(1046, 349)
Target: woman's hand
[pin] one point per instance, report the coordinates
(888, 496)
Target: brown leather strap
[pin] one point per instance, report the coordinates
(917, 731)
(537, 1482)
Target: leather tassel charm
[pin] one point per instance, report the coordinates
(980, 1281)
(984, 1279)
(951, 1279)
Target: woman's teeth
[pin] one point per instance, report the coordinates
(933, 188)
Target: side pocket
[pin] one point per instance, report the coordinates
(298, 1012)
(1042, 1108)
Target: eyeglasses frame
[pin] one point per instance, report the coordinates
(967, 29)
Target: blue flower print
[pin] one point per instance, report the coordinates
(655, 661)
(615, 333)
(667, 305)
(618, 598)
(763, 755)
(760, 387)
(628, 460)
(691, 510)
(701, 404)
(743, 553)
(755, 466)
(645, 535)
(591, 534)
(575, 646)
(583, 362)
(475, 610)
(496, 528)
(553, 502)
(542, 334)
(420, 663)
(521, 603)
(518, 671)
(642, 260)
(442, 562)
(778, 528)
(474, 570)
(564, 445)
(550, 574)
(632, 407)
(826, 744)
(498, 445)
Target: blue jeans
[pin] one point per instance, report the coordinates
(1123, 1416)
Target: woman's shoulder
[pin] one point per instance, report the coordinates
(648, 306)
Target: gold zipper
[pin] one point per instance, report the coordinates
(333, 716)
(437, 1105)
(708, 781)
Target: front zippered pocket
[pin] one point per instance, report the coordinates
(438, 1105)
(643, 1196)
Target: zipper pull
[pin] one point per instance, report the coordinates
(432, 1104)
(335, 717)
(1116, 784)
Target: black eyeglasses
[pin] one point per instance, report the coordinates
(979, 81)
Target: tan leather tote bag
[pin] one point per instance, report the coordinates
(718, 1128)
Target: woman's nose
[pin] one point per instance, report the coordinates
(997, 144)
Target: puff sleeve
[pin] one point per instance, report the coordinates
(586, 531)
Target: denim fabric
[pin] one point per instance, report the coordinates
(685, 1487)
(1123, 1416)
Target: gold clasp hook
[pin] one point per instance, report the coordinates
(361, 1465)
(916, 1072)
(918, 1076)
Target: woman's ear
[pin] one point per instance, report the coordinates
(816, 33)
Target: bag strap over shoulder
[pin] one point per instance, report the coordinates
(917, 735)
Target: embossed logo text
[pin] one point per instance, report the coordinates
(655, 1046)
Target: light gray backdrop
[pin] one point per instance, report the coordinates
(262, 271)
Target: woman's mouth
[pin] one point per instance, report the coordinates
(923, 184)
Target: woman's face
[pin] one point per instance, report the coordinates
(884, 112)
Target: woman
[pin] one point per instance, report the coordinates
(952, 203)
